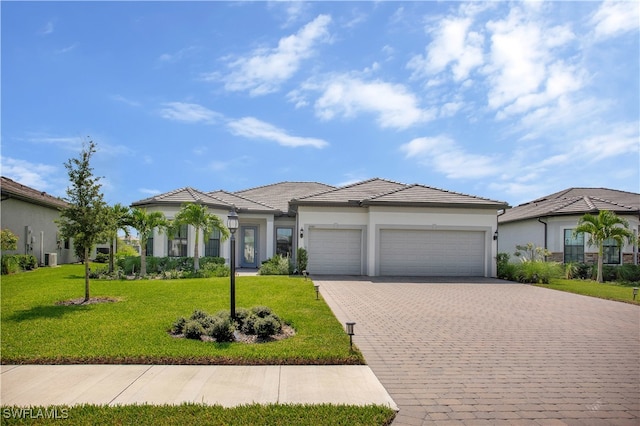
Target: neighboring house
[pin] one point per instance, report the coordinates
(549, 222)
(375, 227)
(30, 214)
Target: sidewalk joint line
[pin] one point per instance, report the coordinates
(130, 384)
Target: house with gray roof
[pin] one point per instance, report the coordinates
(31, 214)
(375, 227)
(549, 222)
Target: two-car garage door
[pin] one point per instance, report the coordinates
(402, 252)
(413, 252)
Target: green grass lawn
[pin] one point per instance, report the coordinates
(610, 291)
(134, 330)
(250, 415)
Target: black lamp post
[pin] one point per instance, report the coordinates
(232, 224)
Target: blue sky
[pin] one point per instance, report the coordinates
(505, 100)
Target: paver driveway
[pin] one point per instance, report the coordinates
(484, 351)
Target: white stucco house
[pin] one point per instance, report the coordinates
(549, 222)
(375, 227)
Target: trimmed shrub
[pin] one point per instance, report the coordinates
(198, 315)
(27, 262)
(262, 311)
(267, 326)
(10, 264)
(178, 326)
(193, 329)
(628, 273)
(101, 257)
(302, 257)
(277, 265)
(538, 272)
(506, 270)
(220, 328)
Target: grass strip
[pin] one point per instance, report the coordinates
(200, 414)
(609, 291)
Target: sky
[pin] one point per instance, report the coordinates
(505, 100)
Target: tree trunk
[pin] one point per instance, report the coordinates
(111, 257)
(196, 255)
(600, 279)
(143, 258)
(86, 275)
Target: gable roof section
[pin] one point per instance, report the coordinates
(278, 195)
(421, 195)
(575, 201)
(183, 195)
(241, 203)
(12, 189)
(351, 194)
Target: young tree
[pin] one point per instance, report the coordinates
(9, 240)
(145, 222)
(85, 220)
(119, 219)
(602, 227)
(197, 216)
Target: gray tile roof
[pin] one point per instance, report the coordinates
(10, 188)
(184, 195)
(417, 194)
(352, 193)
(384, 192)
(575, 201)
(278, 195)
(242, 203)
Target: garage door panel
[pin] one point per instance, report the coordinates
(335, 251)
(432, 253)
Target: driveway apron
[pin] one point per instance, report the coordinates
(484, 351)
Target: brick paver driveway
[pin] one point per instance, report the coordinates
(484, 351)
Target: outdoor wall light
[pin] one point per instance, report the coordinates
(232, 224)
(495, 235)
(301, 232)
(350, 333)
(317, 287)
(635, 292)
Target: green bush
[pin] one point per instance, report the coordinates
(221, 327)
(267, 326)
(302, 257)
(101, 258)
(209, 266)
(178, 326)
(628, 273)
(193, 329)
(538, 272)
(505, 270)
(277, 265)
(262, 311)
(10, 264)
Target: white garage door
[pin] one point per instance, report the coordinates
(431, 253)
(335, 251)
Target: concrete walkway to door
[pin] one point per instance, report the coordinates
(489, 352)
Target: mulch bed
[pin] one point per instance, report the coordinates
(91, 301)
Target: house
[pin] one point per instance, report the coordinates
(375, 227)
(30, 214)
(549, 222)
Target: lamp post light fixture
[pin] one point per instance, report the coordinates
(350, 333)
(317, 287)
(635, 293)
(232, 224)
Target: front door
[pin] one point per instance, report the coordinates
(249, 246)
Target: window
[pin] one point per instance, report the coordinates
(150, 246)
(610, 251)
(212, 247)
(284, 238)
(178, 245)
(573, 247)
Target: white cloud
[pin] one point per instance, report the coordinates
(266, 69)
(616, 17)
(393, 104)
(453, 44)
(47, 28)
(189, 113)
(447, 157)
(149, 191)
(253, 128)
(34, 175)
(120, 98)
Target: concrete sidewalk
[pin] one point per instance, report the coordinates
(27, 385)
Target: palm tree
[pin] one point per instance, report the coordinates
(145, 222)
(606, 225)
(197, 216)
(119, 218)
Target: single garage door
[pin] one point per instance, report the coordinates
(335, 251)
(432, 252)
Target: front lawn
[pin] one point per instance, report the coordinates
(610, 291)
(134, 329)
